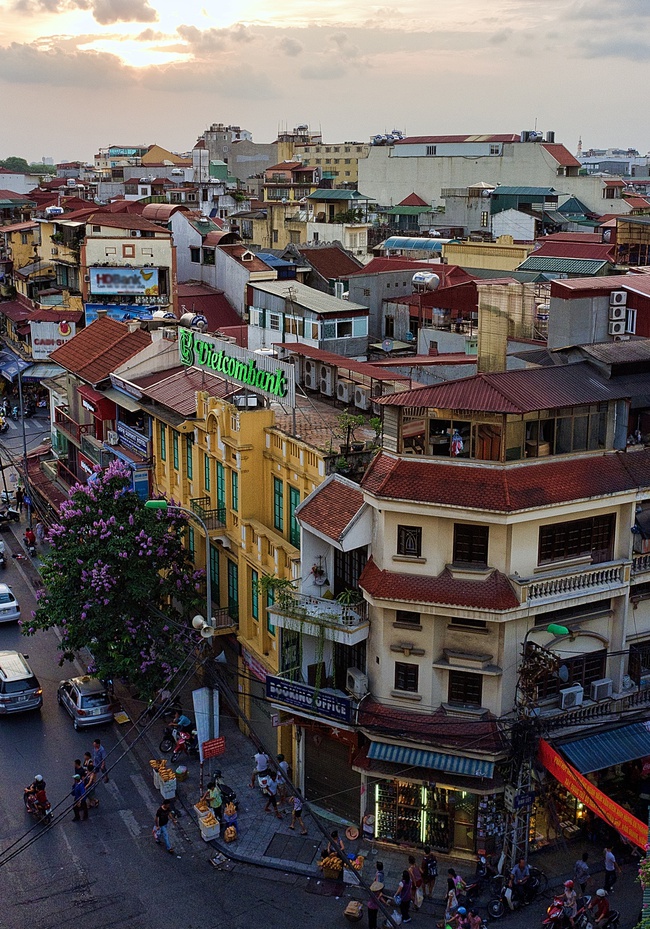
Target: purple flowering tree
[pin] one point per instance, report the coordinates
(119, 582)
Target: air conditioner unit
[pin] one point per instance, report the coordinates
(311, 380)
(356, 683)
(362, 398)
(618, 298)
(602, 689)
(617, 327)
(327, 380)
(112, 438)
(345, 390)
(617, 311)
(136, 233)
(86, 278)
(571, 696)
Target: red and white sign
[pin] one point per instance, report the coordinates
(214, 747)
(46, 337)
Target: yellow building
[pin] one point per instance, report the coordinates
(502, 255)
(337, 160)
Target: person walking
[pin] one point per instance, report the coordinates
(99, 760)
(39, 532)
(79, 793)
(282, 777)
(429, 869)
(296, 815)
(403, 896)
(261, 766)
(79, 768)
(376, 897)
(90, 782)
(581, 872)
(161, 822)
(612, 869)
(272, 795)
(416, 883)
(20, 498)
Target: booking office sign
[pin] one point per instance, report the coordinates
(263, 373)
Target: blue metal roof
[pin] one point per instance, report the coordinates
(414, 244)
(274, 262)
(417, 758)
(503, 191)
(609, 748)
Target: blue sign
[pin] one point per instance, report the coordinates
(119, 311)
(136, 441)
(303, 697)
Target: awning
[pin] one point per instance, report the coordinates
(608, 748)
(101, 405)
(121, 399)
(42, 370)
(11, 365)
(415, 757)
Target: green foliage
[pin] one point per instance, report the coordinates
(119, 582)
(20, 166)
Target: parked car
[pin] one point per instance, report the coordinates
(19, 686)
(86, 700)
(9, 607)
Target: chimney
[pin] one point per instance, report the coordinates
(101, 314)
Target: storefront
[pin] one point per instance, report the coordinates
(330, 781)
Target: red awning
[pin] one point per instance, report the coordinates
(100, 406)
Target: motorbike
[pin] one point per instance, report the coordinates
(10, 513)
(15, 413)
(4, 425)
(227, 793)
(3, 558)
(556, 918)
(585, 920)
(187, 744)
(509, 901)
(33, 807)
(171, 736)
(29, 545)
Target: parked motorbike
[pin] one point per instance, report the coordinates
(228, 795)
(3, 558)
(187, 744)
(509, 900)
(42, 812)
(4, 425)
(10, 513)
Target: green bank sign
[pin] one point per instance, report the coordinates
(260, 372)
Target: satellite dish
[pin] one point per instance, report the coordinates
(387, 345)
(563, 673)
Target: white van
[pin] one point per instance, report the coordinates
(19, 687)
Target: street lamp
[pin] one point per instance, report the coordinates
(200, 624)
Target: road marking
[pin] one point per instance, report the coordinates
(131, 823)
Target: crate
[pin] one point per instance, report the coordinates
(331, 875)
(168, 789)
(156, 779)
(201, 814)
(209, 832)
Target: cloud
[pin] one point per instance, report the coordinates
(290, 47)
(57, 67)
(202, 41)
(616, 48)
(150, 35)
(498, 38)
(105, 12)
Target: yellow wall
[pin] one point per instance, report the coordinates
(502, 255)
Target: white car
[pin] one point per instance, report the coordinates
(9, 606)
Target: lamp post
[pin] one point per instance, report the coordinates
(164, 505)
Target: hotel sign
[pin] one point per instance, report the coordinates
(306, 698)
(275, 379)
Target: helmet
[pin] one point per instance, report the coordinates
(601, 892)
(38, 778)
(568, 884)
(462, 911)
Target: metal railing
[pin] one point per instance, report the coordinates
(571, 582)
(596, 711)
(213, 518)
(318, 609)
(68, 425)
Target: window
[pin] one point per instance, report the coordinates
(175, 449)
(478, 625)
(195, 255)
(163, 442)
(294, 525)
(275, 236)
(431, 149)
(407, 617)
(581, 537)
(366, 291)
(206, 471)
(274, 321)
(583, 670)
(270, 600)
(233, 590)
(189, 448)
(495, 149)
(255, 596)
(485, 219)
(128, 251)
(214, 574)
(406, 676)
(208, 256)
(221, 486)
(347, 569)
(471, 544)
(234, 491)
(278, 504)
(190, 541)
(409, 541)
(465, 689)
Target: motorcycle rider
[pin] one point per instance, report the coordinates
(36, 798)
(30, 538)
(599, 906)
(570, 902)
(521, 881)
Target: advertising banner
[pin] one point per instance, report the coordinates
(46, 337)
(124, 281)
(583, 790)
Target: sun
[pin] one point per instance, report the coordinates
(136, 54)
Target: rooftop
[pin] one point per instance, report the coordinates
(307, 297)
(99, 348)
(330, 261)
(332, 507)
(454, 139)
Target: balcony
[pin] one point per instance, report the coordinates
(640, 565)
(308, 615)
(601, 712)
(565, 584)
(72, 429)
(213, 518)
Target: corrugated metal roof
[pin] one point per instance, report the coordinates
(627, 743)
(618, 352)
(408, 210)
(306, 297)
(454, 764)
(521, 391)
(563, 265)
(453, 139)
(343, 365)
(414, 244)
(337, 194)
(591, 251)
(525, 191)
(177, 390)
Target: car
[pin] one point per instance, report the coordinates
(86, 700)
(9, 607)
(19, 686)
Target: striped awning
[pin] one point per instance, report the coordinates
(419, 758)
(608, 748)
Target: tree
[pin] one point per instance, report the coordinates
(15, 164)
(119, 582)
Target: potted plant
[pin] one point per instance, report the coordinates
(376, 423)
(342, 465)
(348, 423)
(349, 599)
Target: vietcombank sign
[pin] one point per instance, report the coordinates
(260, 372)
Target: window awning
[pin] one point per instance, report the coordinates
(11, 365)
(101, 405)
(122, 399)
(608, 748)
(415, 757)
(42, 370)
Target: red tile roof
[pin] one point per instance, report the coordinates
(599, 251)
(506, 489)
(99, 349)
(332, 507)
(253, 264)
(562, 155)
(583, 238)
(379, 265)
(331, 261)
(438, 728)
(638, 203)
(493, 593)
(213, 304)
(115, 219)
(413, 200)
(285, 166)
(18, 227)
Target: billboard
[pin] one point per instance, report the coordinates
(122, 312)
(124, 281)
(46, 337)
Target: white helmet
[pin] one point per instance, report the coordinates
(38, 778)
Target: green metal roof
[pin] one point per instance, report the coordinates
(503, 191)
(335, 194)
(407, 210)
(584, 266)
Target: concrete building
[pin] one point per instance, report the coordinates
(338, 161)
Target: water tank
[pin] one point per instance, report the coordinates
(71, 182)
(535, 136)
(53, 210)
(550, 137)
(425, 280)
(193, 321)
(163, 314)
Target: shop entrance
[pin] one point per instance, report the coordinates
(260, 717)
(330, 782)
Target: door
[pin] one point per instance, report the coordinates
(330, 782)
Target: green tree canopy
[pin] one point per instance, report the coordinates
(119, 582)
(15, 164)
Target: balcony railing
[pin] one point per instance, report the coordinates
(71, 428)
(563, 584)
(640, 564)
(306, 608)
(596, 711)
(213, 518)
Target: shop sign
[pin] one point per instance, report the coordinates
(253, 665)
(46, 337)
(583, 790)
(275, 379)
(121, 312)
(524, 799)
(129, 438)
(214, 747)
(118, 280)
(304, 697)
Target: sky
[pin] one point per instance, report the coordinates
(77, 75)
